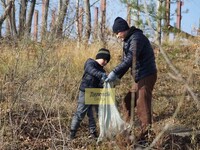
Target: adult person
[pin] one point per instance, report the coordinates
(139, 56)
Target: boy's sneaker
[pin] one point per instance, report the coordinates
(72, 135)
(93, 135)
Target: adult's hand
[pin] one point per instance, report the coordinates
(111, 77)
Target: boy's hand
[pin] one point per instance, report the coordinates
(111, 77)
(104, 76)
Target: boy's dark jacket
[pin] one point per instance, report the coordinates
(137, 42)
(93, 73)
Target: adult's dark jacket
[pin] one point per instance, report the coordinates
(93, 73)
(137, 44)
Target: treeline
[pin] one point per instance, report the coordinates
(45, 19)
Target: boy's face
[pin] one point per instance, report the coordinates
(102, 62)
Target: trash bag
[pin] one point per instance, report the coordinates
(110, 121)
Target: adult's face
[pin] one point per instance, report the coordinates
(121, 35)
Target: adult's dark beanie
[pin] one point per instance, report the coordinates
(103, 53)
(120, 25)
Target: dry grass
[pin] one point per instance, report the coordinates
(39, 86)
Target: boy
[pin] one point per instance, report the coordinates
(93, 77)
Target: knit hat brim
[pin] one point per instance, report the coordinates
(120, 25)
(103, 54)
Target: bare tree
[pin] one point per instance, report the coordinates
(88, 20)
(22, 17)
(13, 22)
(166, 19)
(6, 13)
(133, 10)
(159, 19)
(45, 6)
(96, 27)
(60, 4)
(8, 30)
(35, 32)
(79, 20)
(137, 14)
(53, 18)
(103, 21)
(129, 14)
(30, 17)
(61, 18)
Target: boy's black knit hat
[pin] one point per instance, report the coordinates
(103, 53)
(120, 25)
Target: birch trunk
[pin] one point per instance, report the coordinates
(5, 14)
(22, 17)
(30, 17)
(88, 21)
(61, 18)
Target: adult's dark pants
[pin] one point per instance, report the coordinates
(143, 101)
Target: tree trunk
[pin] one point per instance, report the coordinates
(60, 4)
(138, 15)
(61, 18)
(129, 14)
(178, 18)
(35, 31)
(5, 14)
(96, 26)
(53, 21)
(159, 12)
(45, 6)
(78, 21)
(22, 17)
(30, 17)
(103, 22)
(8, 29)
(88, 20)
(167, 13)
(13, 22)
(167, 19)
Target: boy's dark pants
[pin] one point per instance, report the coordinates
(82, 109)
(143, 101)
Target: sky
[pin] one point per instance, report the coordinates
(191, 19)
(189, 22)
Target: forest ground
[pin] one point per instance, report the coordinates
(39, 88)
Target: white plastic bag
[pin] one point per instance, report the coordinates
(110, 121)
